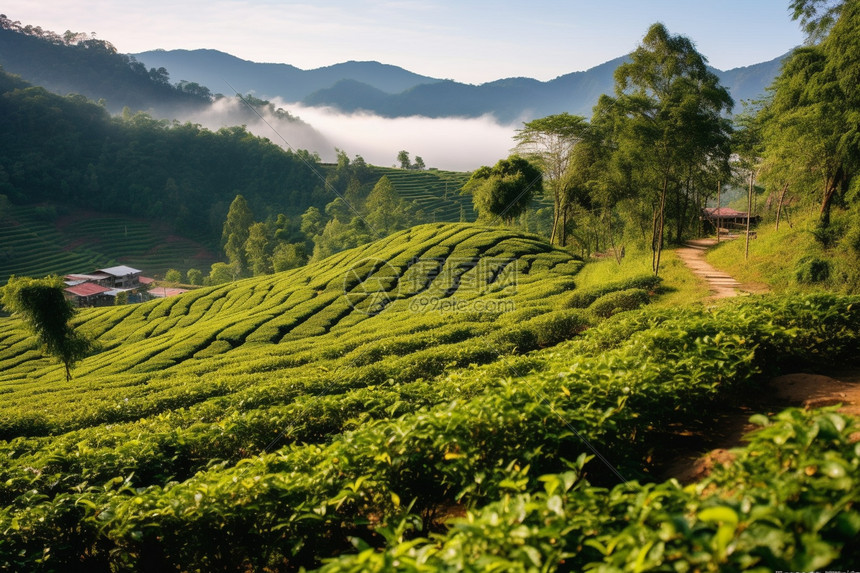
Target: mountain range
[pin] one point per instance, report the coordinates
(391, 91)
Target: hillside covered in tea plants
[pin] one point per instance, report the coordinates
(446, 398)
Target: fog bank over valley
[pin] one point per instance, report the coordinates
(455, 144)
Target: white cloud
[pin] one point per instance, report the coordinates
(457, 144)
(454, 144)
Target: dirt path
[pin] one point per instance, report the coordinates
(701, 448)
(721, 284)
(696, 450)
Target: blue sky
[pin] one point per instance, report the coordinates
(468, 41)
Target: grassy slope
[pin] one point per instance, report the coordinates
(774, 256)
(679, 286)
(81, 241)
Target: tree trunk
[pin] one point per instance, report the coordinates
(719, 199)
(654, 219)
(779, 204)
(662, 221)
(564, 226)
(555, 216)
(829, 191)
(749, 217)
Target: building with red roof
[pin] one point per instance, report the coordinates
(89, 294)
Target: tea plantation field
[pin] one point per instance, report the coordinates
(37, 241)
(443, 399)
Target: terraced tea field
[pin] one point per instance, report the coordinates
(83, 241)
(337, 415)
(436, 192)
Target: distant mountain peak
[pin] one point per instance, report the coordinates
(392, 91)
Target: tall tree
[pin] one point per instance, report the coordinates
(289, 256)
(45, 310)
(667, 122)
(386, 210)
(817, 17)
(237, 228)
(257, 250)
(505, 190)
(549, 142)
(403, 159)
(811, 124)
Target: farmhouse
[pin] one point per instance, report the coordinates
(101, 287)
(727, 219)
(121, 277)
(89, 294)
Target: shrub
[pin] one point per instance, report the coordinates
(586, 297)
(547, 329)
(619, 301)
(173, 276)
(811, 270)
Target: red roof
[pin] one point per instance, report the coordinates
(146, 280)
(87, 289)
(724, 212)
(160, 292)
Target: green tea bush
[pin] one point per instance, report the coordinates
(619, 301)
(787, 502)
(586, 297)
(179, 452)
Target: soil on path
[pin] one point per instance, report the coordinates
(694, 451)
(698, 450)
(721, 284)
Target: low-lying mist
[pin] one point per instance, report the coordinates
(456, 144)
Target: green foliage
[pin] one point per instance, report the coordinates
(668, 134)
(810, 135)
(87, 240)
(46, 312)
(551, 142)
(777, 256)
(268, 423)
(816, 17)
(288, 256)
(786, 503)
(620, 301)
(71, 151)
(76, 62)
(194, 277)
(403, 159)
(810, 270)
(237, 229)
(173, 276)
(221, 273)
(583, 298)
(505, 190)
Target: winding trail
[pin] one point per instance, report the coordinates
(692, 254)
(702, 446)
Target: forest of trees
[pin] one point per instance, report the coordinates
(654, 153)
(78, 62)
(72, 151)
(364, 209)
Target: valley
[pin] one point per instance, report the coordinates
(551, 362)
